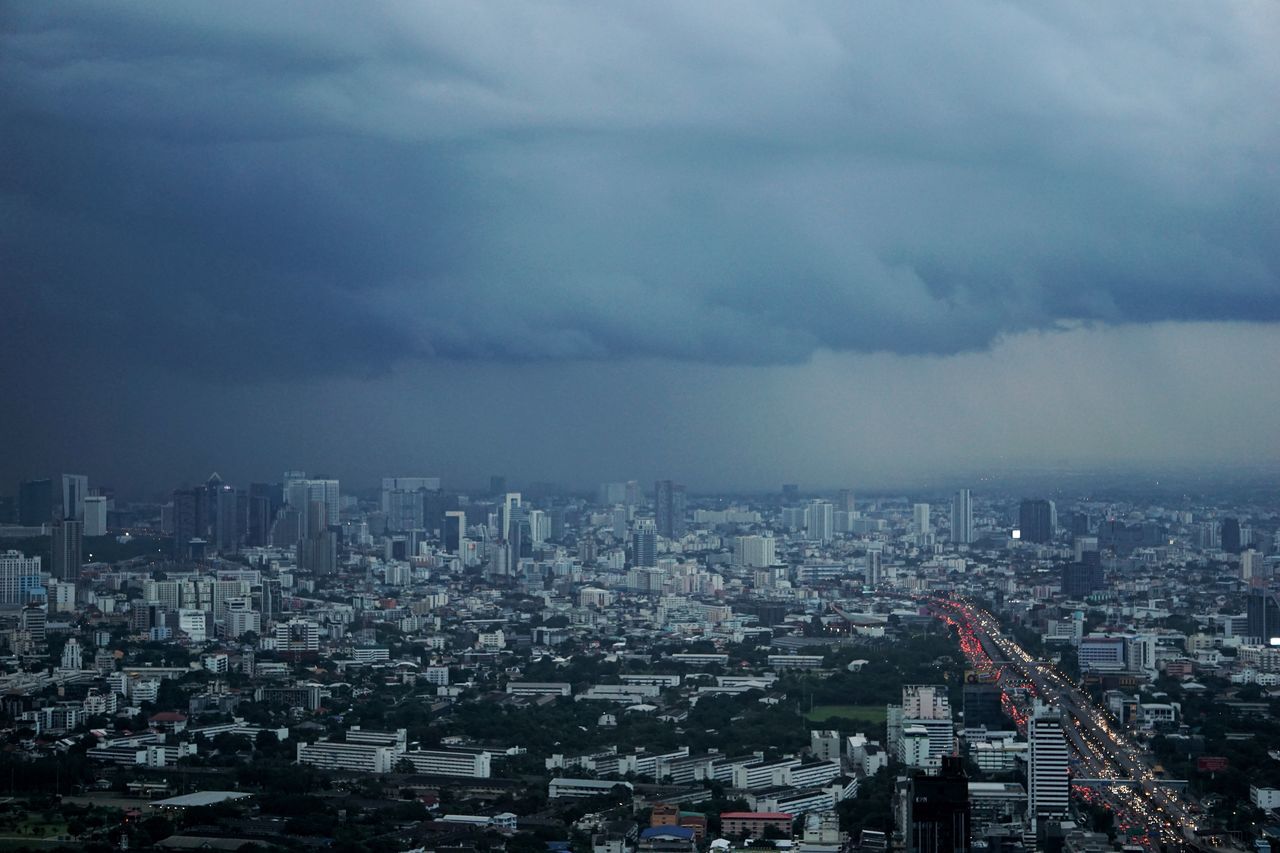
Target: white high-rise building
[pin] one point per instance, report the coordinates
(95, 515)
(510, 509)
(1251, 564)
(820, 522)
(756, 552)
(920, 516)
(962, 518)
(1047, 776)
(19, 577)
(539, 526)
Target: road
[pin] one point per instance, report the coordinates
(1102, 749)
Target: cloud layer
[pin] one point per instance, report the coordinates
(256, 191)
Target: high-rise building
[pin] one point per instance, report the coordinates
(68, 546)
(95, 515)
(844, 501)
(454, 531)
(962, 518)
(1251, 564)
(1231, 535)
(190, 519)
(1262, 611)
(755, 552)
(1035, 521)
(1047, 770)
(75, 488)
(20, 577)
(938, 820)
(820, 521)
(644, 543)
(669, 509)
(300, 492)
(921, 519)
(35, 502)
(1082, 579)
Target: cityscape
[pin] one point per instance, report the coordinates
(679, 426)
(300, 663)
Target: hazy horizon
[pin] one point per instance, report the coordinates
(730, 245)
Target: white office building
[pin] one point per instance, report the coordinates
(1047, 770)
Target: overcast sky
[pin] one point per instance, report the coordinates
(733, 244)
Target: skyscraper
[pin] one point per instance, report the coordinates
(68, 547)
(1262, 612)
(669, 507)
(644, 543)
(920, 516)
(939, 810)
(820, 521)
(454, 531)
(35, 502)
(1035, 521)
(1047, 776)
(75, 487)
(1231, 535)
(962, 518)
(844, 501)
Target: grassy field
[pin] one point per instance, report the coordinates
(868, 713)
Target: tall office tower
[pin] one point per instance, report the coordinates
(875, 568)
(1231, 535)
(1262, 613)
(498, 485)
(1079, 522)
(35, 502)
(668, 509)
(68, 546)
(75, 488)
(820, 522)
(454, 531)
(921, 519)
(962, 518)
(20, 577)
(95, 515)
(755, 552)
(632, 495)
(190, 516)
(318, 550)
(301, 492)
(1050, 787)
(939, 810)
(644, 543)
(225, 523)
(1034, 521)
(1209, 535)
(403, 509)
(512, 514)
(844, 501)
(1083, 578)
(539, 527)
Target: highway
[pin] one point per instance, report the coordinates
(1102, 749)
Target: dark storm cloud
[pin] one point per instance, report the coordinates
(260, 190)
